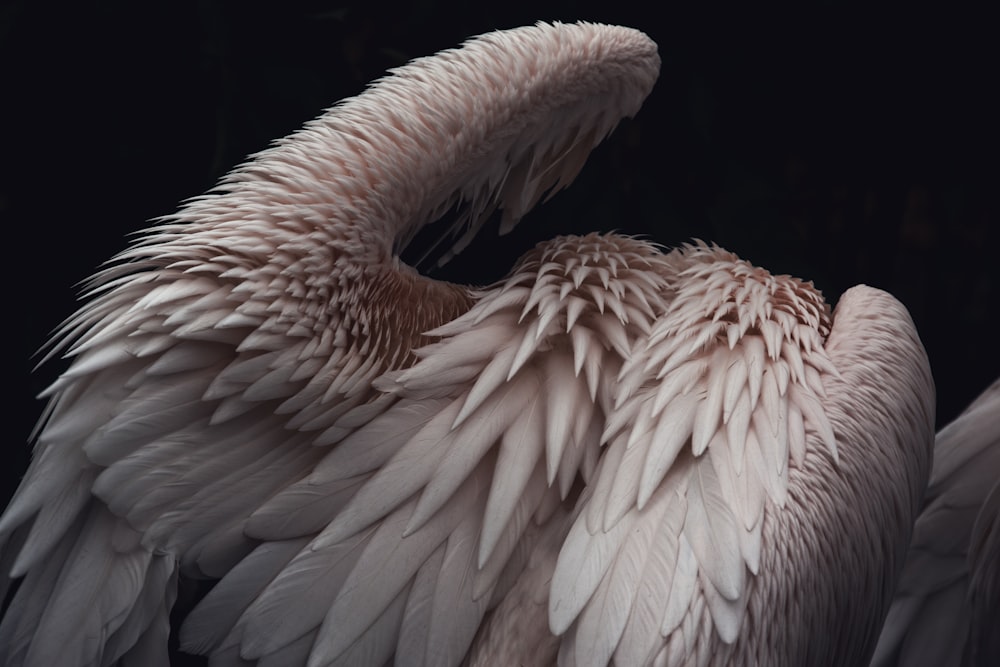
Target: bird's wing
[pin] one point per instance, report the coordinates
(947, 600)
(710, 412)
(983, 647)
(491, 430)
(225, 353)
(187, 406)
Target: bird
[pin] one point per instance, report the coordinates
(616, 454)
(947, 606)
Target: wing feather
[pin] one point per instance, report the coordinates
(705, 413)
(406, 473)
(673, 431)
(521, 447)
(584, 560)
(945, 609)
(31, 599)
(96, 588)
(390, 559)
(212, 620)
(984, 585)
(375, 647)
(457, 611)
(531, 504)
(682, 590)
(295, 602)
(506, 418)
(711, 530)
(296, 653)
(502, 435)
(415, 629)
(641, 636)
(601, 624)
(249, 368)
(569, 414)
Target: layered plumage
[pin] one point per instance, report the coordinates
(947, 608)
(613, 454)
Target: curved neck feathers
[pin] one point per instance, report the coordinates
(495, 124)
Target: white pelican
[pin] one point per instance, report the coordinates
(613, 455)
(947, 607)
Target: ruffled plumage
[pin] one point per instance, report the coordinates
(612, 455)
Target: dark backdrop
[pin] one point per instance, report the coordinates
(838, 143)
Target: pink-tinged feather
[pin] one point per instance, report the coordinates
(607, 455)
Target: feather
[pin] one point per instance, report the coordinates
(673, 430)
(727, 615)
(408, 471)
(712, 531)
(497, 417)
(642, 630)
(682, 588)
(457, 612)
(815, 417)
(754, 351)
(92, 596)
(304, 508)
(30, 601)
(502, 552)
(52, 523)
(296, 653)
(386, 566)
(596, 508)
(297, 600)
(708, 417)
(601, 624)
(148, 616)
(496, 373)
(211, 621)
(375, 647)
(621, 495)
(583, 561)
(369, 448)
(796, 435)
(568, 412)
(414, 633)
(521, 447)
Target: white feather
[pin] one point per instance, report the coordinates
(601, 624)
(711, 529)
(682, 588)
(583, 561)
(297, 600)
(521, 447)
(499, 415)
(673, 430)
(372, 586)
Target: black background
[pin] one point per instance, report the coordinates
(844, 144)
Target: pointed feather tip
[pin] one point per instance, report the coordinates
(831, 445)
